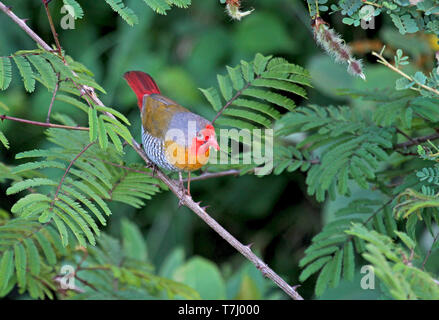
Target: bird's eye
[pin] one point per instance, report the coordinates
(200, 136)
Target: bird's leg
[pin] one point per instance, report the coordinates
(181, 183)
(189, 183)
(181, 186)
(152, 166)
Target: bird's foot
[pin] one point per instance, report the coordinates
(154, 168)
(183, 190)
(181, 202)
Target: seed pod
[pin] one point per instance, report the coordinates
(336, 47)
(232, 9)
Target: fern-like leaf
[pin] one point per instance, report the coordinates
(5, 72)
(332, 252)
(350, 147)
(78, 13)
(403, 280)
(86, 184)
(126, 13)
(159, 6)
(4, 140)
(46, 74)
(26, 72)
(253, 92)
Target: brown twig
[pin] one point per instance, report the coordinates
(233, 172)
(52, 28)
(377, 211)
(181, 195)
(43, 124)
(236, 96)
(84, 90)
(210, 175)
(373, 4)
(123, 167)
(430, 250)
(53, 98)
(86, 283)
(22, 24)
(83, 258)
(416, 141)
(404, 134)
(383, 61)
(79, 268)
(55, 197)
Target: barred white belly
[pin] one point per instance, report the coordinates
(155, 150)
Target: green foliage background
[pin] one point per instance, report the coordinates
(184, 51)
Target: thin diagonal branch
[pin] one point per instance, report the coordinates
(416, 141)
(79, 267)
(236, 96)
(52, 28)
(378, 210)
(383, 61)
(430, 251)
(404, 134)
(22, 24)
(124, 167)
(42, 124)
(55, 91)
(84, 90)
(55, 197)
(373, 4)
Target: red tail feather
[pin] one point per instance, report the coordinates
(142, 84)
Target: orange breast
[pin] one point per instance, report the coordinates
(181, 158)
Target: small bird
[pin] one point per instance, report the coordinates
(173, 138)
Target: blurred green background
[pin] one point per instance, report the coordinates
(184, 51)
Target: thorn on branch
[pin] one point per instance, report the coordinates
(263, 270)
(150, 165)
